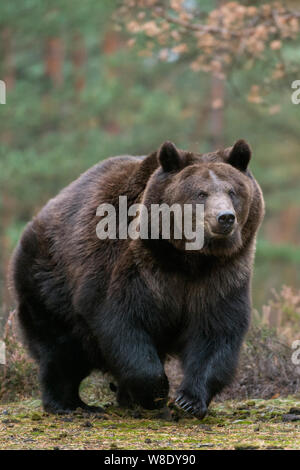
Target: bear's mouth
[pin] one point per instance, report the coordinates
(224, 233)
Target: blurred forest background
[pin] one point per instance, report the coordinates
(88, 80)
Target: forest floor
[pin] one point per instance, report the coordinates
(236, 425)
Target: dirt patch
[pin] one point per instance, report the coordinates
(254, 424)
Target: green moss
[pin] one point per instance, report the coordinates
(36, 417)
(230, 425)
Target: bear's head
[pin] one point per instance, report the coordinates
(222, 183)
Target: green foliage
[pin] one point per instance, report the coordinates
(281, 252)
(130, 103)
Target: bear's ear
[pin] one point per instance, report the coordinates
(169, 157)
(240, 155)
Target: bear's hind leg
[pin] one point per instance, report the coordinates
(63, 363)
(61, 371)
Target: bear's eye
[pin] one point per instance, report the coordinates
(202, 194)
(231, 193)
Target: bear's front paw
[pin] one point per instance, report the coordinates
(195, 406)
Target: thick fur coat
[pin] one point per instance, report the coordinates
(123, 305)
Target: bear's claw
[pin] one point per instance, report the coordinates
(194, 407)
(178, 400)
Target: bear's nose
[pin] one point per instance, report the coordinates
(226, 219)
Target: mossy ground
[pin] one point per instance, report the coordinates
(251, 424)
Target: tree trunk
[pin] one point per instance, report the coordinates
(8, 63)
(54, 60)
(78, 60)
(217, 112)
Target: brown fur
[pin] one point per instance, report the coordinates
(122, 305)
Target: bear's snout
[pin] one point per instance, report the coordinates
(225, 220)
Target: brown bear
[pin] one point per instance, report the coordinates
(123, 304)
